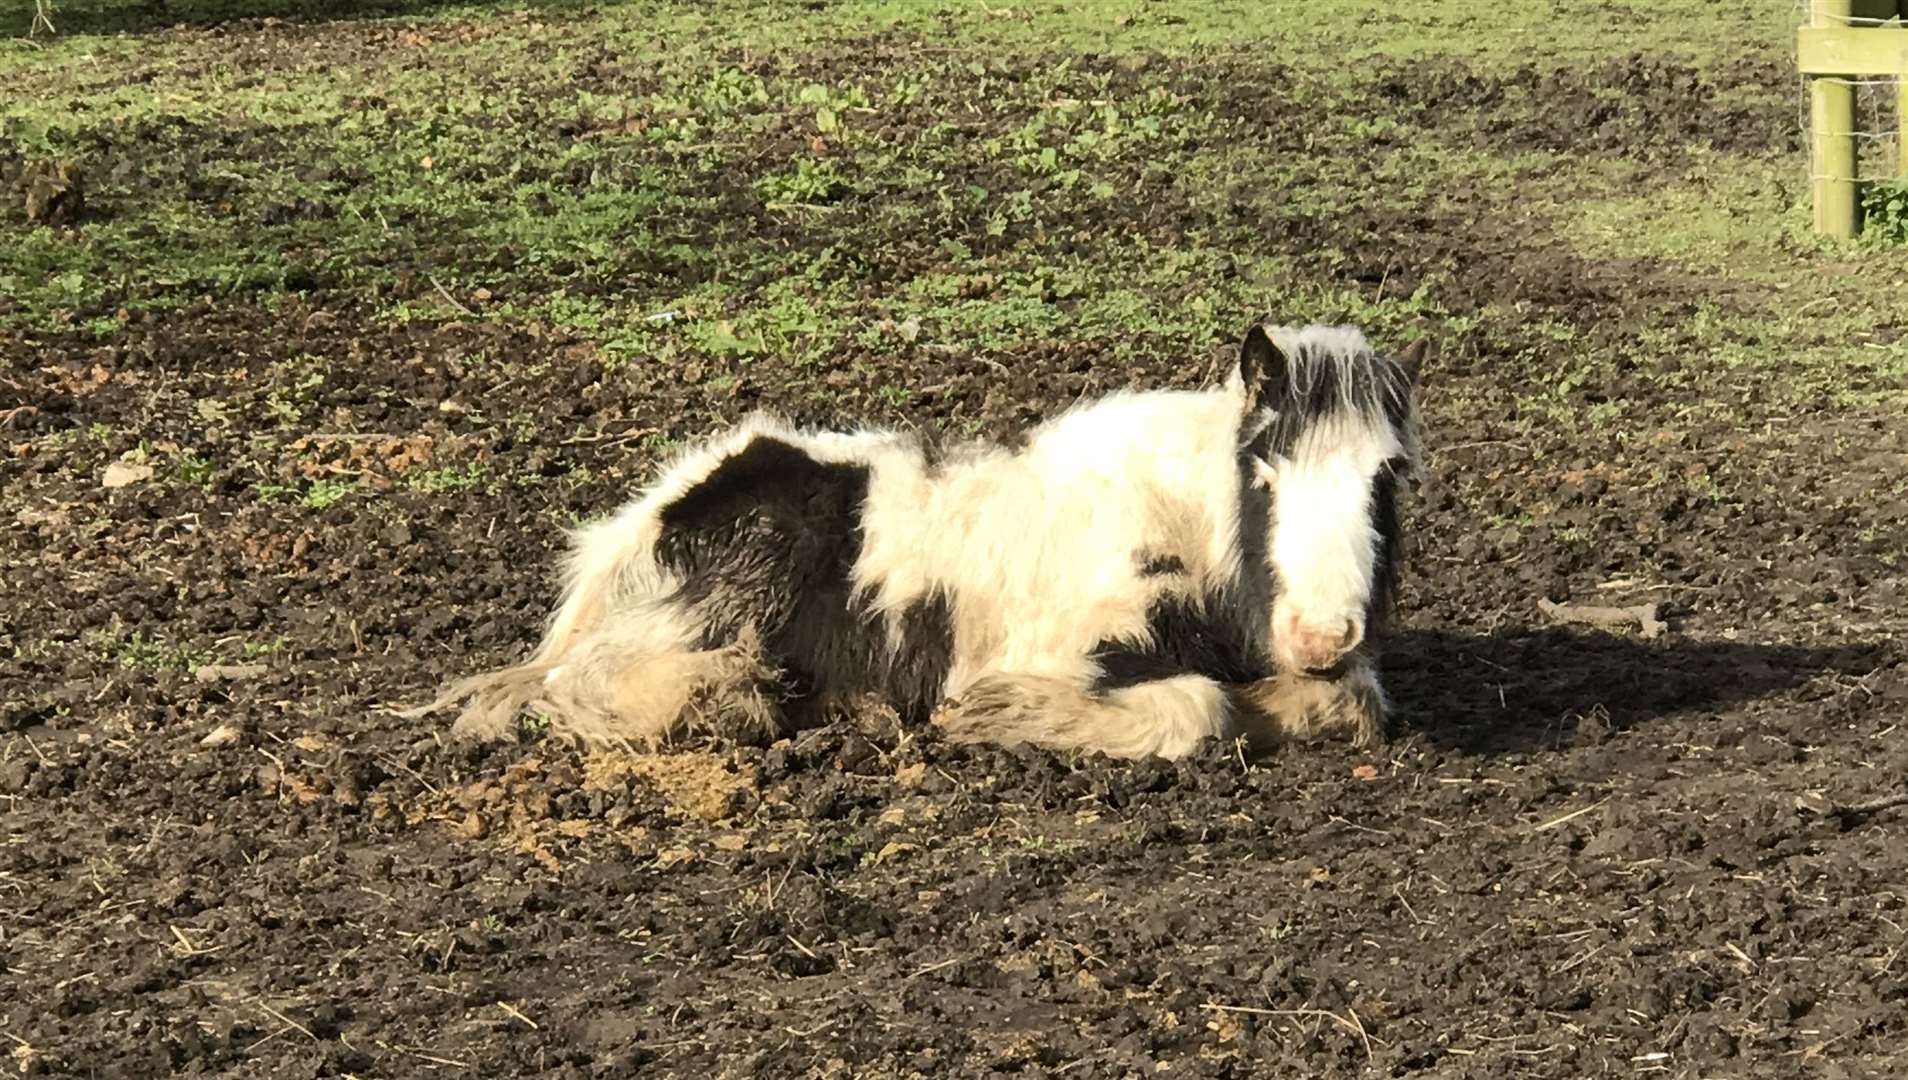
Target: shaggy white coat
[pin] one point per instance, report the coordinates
(1039, 553)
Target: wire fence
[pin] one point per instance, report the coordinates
(1879, 100)
(1877, 131)
(1854, 111)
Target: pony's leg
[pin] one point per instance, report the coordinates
(1166, 718)
(1287, 707)
(619, 690)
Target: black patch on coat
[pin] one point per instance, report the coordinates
(768, 533)
(1161, 565)
(915, 671)
(1315, 385)
(1384, 519)
(769, 539)
(1184, 637)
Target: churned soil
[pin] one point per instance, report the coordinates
(1587, 852)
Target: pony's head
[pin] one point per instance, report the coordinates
(1331, 428)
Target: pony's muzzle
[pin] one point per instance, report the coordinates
(1315, 650)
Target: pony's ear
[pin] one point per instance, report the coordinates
(1262, 368)
(1412, 359)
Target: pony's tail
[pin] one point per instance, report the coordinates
(610, 569)
(634, 683)
(1165, 718)
(492, 701)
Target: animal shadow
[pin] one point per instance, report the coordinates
(1522, 690)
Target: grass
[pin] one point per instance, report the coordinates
(320, 494)
(807, 191)
(1885, 213)
(140, 652)
(1477, 28)
(450, 478)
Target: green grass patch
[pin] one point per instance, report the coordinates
(1885, 213)
(788, 194)
(449, 478)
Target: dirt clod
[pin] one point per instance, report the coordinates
(54, 191)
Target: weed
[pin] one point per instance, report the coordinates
(450, 478)
(194, 470)
(1885, 212)
(321, 494)
(1278, 931)
(1705, 487)
(294, 389)
(809, 181)
(138, 652)
(326, 493)
(252, 650)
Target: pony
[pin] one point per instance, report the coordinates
(1138, 574)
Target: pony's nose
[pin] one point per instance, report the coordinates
(1318, 651)
(1354, 633)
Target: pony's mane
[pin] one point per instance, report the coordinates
(1334, 378)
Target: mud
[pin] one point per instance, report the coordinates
(1588, 854)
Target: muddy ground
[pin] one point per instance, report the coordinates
(1587, 853)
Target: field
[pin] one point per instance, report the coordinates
(334, 322)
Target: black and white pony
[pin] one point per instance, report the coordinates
(1144, 572)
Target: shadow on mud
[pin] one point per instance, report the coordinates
(1528, 690)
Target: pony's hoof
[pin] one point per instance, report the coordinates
(1289, 707)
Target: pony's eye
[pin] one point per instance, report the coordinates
(1398, 466)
